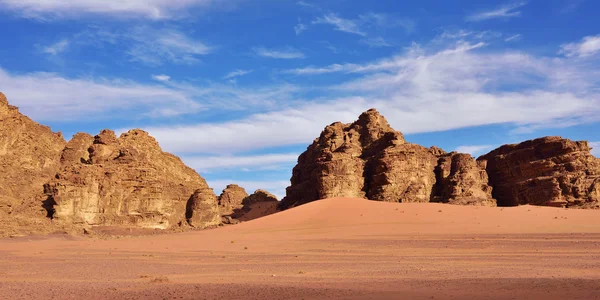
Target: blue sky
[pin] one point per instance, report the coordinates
(239, 88)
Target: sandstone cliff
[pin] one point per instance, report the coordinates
(29, 157)
(547, 171)
(127, 181)
(370, 159)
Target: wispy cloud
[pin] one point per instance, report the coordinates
(288, 53)
(161, 77)
(473, 149)
(299, 28)
(515, 37)
(376, 42)
(237, 73)
(502, 12)
(58, 9)
(57, 48)
(144, 44)
(48, 96)
(366, 23)
(590, 45)
(153, 46)
(420, 90)
(341, 24)
(308, 5)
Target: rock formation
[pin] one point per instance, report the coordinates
(462, 180)
(231, 199)
(29, 157)
(128, 181)
(546, 171)
(261, 203)
(370, 159)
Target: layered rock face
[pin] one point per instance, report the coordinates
(547, 171)
(370, 159)
(231, 199)
(29, 157)
(462, 180)
(127, 181)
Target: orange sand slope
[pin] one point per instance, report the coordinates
(329, 249)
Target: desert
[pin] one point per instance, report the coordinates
(123, 220)
(299, 149)
(341, 248)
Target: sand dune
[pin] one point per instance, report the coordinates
(330, 249)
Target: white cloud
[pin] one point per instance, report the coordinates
(308, 5)
(204, 163)
(288, 53)
(473, 149)
(237, 73)
(515, 37)
(161, 77)
(57, 47)
(377, 42)
(299, 28)
(596, 148)
(341, 24)
(60, 9)
(154, 46)
(506, 11)
(277, 188)
(293, 126)
(48, 96)
(144, 44)
(421, 90)
(589, 46)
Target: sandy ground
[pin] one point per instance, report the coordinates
(330, 249)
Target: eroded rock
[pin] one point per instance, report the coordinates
(369, 159)
(460, 179)
(231, 199)
(128, 181)
(548, 171)
(29, 157)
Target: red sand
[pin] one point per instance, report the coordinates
(329, 249)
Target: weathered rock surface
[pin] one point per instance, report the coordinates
(261, 203)
(462, 180)
(29, 157)
(370, 159)
(201, 209)
(231, 199)
(547, 171)
(128, 181)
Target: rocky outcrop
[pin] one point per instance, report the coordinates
(462, 180)
(29, 157)
(261, 203)
(547, 171)
(201, 211)
(231, 199)
(369, 159)
(127, 181)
